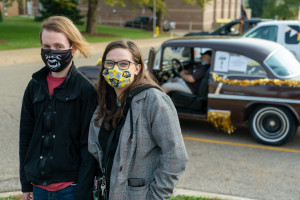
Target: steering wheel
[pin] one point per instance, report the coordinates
(176, 66)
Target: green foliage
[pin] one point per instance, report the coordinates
(66, 8)
(114, 2)
(281, 9)
(257, 7)
(201, 3)
(23, 32)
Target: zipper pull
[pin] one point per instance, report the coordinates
(103, 185)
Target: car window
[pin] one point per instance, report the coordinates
(139, 19)
(283, 63)
(182, 54)
(292, 34)
(251, 24)
(234, 29)
(187, 56)
(265, 32)
(236, 64)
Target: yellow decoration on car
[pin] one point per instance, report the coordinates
(99, 62)
(255, 82)
(221, 120)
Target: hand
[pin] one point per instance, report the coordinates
(28, 196)
(182, 73)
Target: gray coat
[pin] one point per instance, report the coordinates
(156, 154)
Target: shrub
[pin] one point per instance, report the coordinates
(64, 8)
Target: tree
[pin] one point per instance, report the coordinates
(66, 8)
(257, 7)
(281, 9)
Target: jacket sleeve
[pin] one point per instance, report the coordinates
(167, 135)
(88, 166)
(27, 121)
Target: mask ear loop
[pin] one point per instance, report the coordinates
(71, 48)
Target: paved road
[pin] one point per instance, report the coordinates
(236, 165)
(219, 163)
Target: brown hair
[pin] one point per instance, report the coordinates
(64, 25)
(107, 98)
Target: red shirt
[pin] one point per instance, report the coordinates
(53, 82)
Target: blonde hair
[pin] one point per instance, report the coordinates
(64, 25)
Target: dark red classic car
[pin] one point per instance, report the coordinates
(250, 81)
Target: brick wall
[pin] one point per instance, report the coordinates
(188, 17)
(13, 10)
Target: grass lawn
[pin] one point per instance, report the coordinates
(23, 32)
(173, 198)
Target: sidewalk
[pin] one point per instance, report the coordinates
(19, 56)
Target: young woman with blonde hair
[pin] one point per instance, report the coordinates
(57, 107)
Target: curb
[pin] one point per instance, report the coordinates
(177, 192)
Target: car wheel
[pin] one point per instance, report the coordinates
(272, 125)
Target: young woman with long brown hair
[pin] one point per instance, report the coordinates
(135, 136)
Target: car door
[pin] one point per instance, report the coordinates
(292, 38)
(234, 98)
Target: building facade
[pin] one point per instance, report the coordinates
(185, 16)
(12, 10)
(188, 17)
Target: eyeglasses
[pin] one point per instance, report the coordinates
(123, 64)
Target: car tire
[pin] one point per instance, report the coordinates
(272, 125)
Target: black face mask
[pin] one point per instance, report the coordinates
(56, 60)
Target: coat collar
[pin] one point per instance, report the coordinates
(41, 75)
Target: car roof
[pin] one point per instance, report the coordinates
(277, 22)
(255, 48)
(252, 20)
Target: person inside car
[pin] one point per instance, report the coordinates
(189, 81)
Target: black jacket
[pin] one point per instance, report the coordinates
(54, 133)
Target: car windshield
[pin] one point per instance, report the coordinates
(283, 63)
